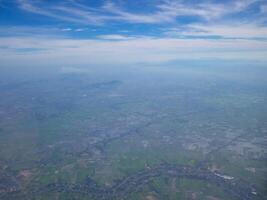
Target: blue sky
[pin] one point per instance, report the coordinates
(83, 32)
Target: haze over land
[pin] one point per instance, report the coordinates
(157, 99)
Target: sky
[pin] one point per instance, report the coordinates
(130, 32)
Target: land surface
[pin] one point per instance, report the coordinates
(134, 133)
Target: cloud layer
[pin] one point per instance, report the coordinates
(111, 49)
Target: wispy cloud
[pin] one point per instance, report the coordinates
(70, 14)
(114, 37)
(263, 9)
(66, 29)
(168, 11)
(79, 29)
(223, 31)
